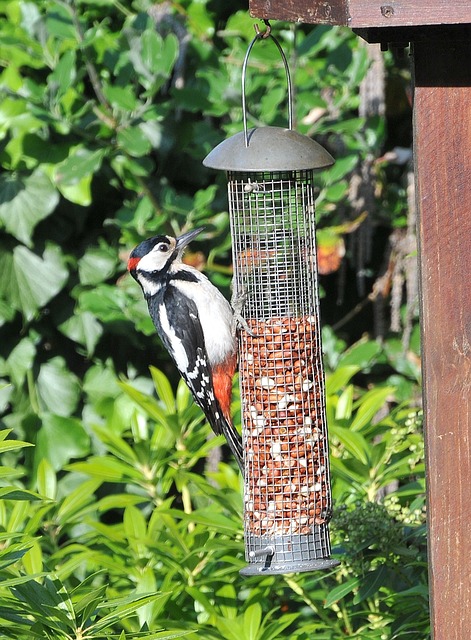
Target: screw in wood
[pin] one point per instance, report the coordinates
(387, 11)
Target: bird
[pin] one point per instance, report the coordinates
(195, 324)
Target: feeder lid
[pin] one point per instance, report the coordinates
(269, 149)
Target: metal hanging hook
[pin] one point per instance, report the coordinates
(264, 35)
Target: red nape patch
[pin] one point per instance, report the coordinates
(132, 263)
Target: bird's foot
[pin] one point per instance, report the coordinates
(238, 301)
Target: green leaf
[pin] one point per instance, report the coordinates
(59, 23)
(29, 282)
(77, 500)
(134, 141)
(227, 598)
(371, 583)
(274, 630)
(80, 164)
(104, 301)
(60, 439)
(88, 605)
(46, 480)
(21, 360)
(151, 49)
(336, 191)
(84, 329)
(209, 518)
(134, 526)
(58, 388)
(201, 598)
(122, 607)
(342, 590)
(33, 559)
(153, 57)
(46, 603)
(369, 405)
(342, 167)
(353, 442)
(230, 629)
(164, 389)
(100, 383)
(406, 363)
(121, 97)
(343, 410)
(64, 73)
(168, 635)
(146, 402)
(11, 445)
(117, 445)
(351, 471)
(168, 55)
(97, 265)
(25, 201)
(12, 554)
(78, 192)
(252, 621)
(340, 378)
(106, 468)
(13, 493)
(361, 354)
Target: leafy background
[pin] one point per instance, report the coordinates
(117, 517)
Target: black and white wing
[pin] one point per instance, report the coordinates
(177, 322)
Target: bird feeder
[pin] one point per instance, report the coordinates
(287, 494)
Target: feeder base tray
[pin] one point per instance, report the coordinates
(268, 568)
(288, 553)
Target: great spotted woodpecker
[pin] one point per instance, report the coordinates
(195, 323)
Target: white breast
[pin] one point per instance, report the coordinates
(215, 315)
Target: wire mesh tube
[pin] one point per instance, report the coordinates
(287, 496)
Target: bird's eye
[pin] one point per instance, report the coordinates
(163, 247)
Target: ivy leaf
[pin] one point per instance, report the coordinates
(58, 388)
(27, 281)
(25, 201)
(60, 439)
(79, 192)
(97, 265)
(80, 164)
(104, 301)
(21, 360)
(83, 328)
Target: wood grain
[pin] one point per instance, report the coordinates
(442, 134)
(364, 13)
(313, 11)
(402, 13)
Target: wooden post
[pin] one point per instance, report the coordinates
(442, 141)
(440, 32)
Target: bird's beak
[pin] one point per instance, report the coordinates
(186, 238)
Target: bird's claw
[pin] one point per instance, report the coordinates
(238, 301)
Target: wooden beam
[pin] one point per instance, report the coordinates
(359, 14)
(402, 13)
(442, 140)
(317, 11)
